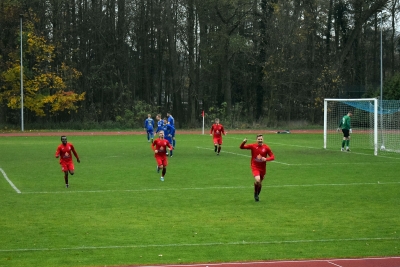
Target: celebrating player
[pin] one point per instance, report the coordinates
(149, 127)
(159, 146)
(64, 153)
(217, 130)
(260, 154)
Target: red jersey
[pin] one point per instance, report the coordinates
(161, 146)
(64, 152)
(218, 130)
(257, 153)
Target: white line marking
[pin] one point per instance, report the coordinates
(319, 148)
(206, 188)
(9, 181)
(205, 244)
(243, 155)
(298, 164)
(279, 262)
(334, 264)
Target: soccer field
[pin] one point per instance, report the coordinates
(315, 203)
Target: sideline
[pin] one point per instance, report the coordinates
(9, 181)
(370, 239)
(204, 188)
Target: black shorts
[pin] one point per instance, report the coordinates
(346, 132)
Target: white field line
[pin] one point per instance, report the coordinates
(238, 154)
(310, 147)
(278, 143)
(206, 188)
(262, 263)
(334, 264)
(9, 181)
(277, 242)
(294, 164)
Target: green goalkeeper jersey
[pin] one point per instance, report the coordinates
(345, 122)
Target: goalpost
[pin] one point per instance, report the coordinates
(364, 123)
(375, 124)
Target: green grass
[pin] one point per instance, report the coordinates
(315, 203)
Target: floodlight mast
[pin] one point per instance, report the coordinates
(381, 98)
(22, 78)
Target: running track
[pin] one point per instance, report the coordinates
(362, 262)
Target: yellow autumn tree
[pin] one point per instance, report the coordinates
(45, 90)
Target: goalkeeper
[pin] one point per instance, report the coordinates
(345, 125)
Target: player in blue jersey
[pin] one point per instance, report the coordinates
(169, 132)
(160, 123)
(171, 121)
(149, 128)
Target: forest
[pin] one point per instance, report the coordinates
(248, 62)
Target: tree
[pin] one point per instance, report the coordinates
(46, 91)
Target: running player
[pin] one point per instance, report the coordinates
(260, 154)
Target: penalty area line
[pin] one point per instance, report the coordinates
(9, 181)
(247, 156)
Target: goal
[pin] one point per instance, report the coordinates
(375, 124)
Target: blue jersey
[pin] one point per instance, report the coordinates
(169, 132)
(171, 121)
(160, 125)
(149, 124)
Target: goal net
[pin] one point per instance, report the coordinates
(375, 124)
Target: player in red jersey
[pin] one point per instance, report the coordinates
(64, 153)
(217, 130)
(260, 154)
(159, 146)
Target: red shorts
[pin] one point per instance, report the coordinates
(67, 165)
(217, 140)
(258, 172)
(161, 160)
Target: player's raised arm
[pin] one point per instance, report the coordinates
(242, 145)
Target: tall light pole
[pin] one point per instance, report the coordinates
(381, 101)
(22, 78)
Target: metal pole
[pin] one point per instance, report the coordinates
(22, 80)
(381, 100)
